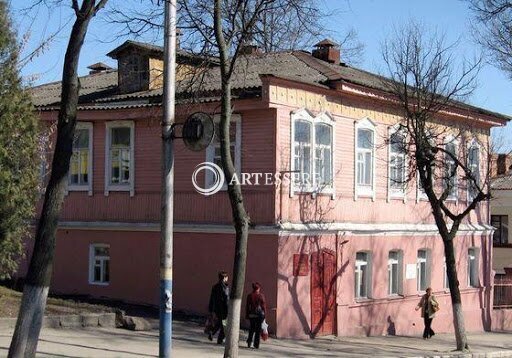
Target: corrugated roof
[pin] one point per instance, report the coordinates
(297, 66)
(503, 182)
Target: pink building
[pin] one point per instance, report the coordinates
(349, 253)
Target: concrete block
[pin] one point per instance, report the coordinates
(107, 320)
(90, 320)
(71, 321)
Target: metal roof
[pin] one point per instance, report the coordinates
(299, 66)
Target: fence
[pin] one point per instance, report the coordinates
(502, 291)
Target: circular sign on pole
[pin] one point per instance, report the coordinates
(198, 131)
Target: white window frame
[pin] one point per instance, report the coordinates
(368, 283)
(108, 170)
(322, 118)
(420, 193)
(474, 144)
(399, 262)
(236, 119)
(92, 263)
(364, 191)
(473, 264)
(446, 284)
(419, 261)
(455, 142)
(85, 187)
(392, 192)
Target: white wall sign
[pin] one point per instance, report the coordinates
(410, 271)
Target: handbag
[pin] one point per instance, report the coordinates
(264, 330)
(436, 307)
(259, 312)
(209, 325)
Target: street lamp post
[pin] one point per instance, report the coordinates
(167, 201)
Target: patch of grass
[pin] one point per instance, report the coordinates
(10, 303)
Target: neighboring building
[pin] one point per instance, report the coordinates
(501, 212)
(350, 254)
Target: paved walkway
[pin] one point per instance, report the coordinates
(189, 341)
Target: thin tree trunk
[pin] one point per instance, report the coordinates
(451, 271)
(35, 291)
(453, 281)
(240, 217)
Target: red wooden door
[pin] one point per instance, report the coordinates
(323, 293)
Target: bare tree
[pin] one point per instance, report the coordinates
(426, 85)
(494, 30)
(35, 291)
(223, 29)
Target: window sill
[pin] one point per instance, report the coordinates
(80, 188)
(121, 188)
(362, 300)
(314, 193)
(395, 296)
(400, 197)
(99, 283)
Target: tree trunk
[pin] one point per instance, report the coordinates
(240, 217)
(35, 291)
(453, 281)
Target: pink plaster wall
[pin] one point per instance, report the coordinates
(134, 266)
(376, 315)
(502, 320)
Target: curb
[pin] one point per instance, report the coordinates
(495, 354)
(69, 321)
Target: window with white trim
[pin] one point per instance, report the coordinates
(312, 152)
(323, 155)
(473, 267)
(395, 272)
(422, 270)
(365, 158)
(397, 164)
(213, 154)
(450, 176)
(120, 170)
(363, 275)
(474, 168)
(500, 224)
(446, 284)
(99, 264)
(80, 165)
(302, 153)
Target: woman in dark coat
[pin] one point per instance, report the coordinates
(429, 306)
(255, 310)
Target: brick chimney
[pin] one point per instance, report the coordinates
(328, 51)
(250, 50)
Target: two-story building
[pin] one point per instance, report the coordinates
(347, 253)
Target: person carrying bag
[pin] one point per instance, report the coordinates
(255, 312)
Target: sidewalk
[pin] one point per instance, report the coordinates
(189, 341)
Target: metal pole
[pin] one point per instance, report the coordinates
(167, 202)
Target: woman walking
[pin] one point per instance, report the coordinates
(255, 312)
(429, 306)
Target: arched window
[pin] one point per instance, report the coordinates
(312, 152)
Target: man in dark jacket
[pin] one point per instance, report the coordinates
(218, 306)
